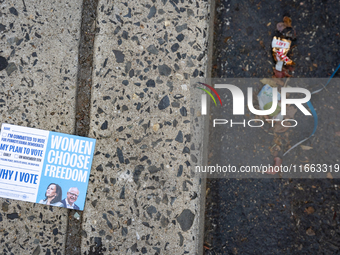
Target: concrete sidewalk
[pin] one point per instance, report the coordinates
(142, 196)
(37, 89)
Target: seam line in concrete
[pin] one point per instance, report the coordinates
(205, 139)
(83, 108)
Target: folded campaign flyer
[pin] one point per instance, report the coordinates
(44, 167)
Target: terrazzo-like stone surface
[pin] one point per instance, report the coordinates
(38, 71)
(28, 228)
(40, 43)
(143, 197)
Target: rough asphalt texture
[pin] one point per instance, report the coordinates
(276, 216)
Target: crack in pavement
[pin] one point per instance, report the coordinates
(83, 103)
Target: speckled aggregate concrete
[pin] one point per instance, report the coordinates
(39, 42)
(143, 197)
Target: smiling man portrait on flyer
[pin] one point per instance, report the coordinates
(71, 198)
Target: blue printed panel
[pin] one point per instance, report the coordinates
(67, 164)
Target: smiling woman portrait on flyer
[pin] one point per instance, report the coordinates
(53, 195)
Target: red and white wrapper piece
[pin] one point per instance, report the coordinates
(282, 57)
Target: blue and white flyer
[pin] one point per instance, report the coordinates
(44, 167)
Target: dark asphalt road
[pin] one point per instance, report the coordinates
(276, 216)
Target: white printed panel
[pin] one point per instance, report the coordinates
(22, 152)
(280, 44)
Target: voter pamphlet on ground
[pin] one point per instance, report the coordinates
(33, 160)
